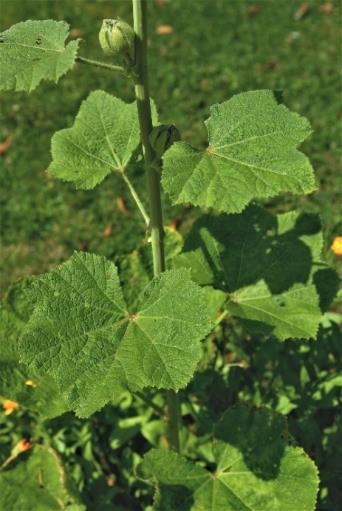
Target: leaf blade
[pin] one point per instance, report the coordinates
(256, 469)
(32, 51)
(82, 334)
(267, 264)
(256, 157)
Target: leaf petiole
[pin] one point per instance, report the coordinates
(98, 63)
(136, 199)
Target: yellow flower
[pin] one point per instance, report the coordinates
(30, 383)
(336, 247)
(9, 406)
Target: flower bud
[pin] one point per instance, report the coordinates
(117, 38)
(162, 137)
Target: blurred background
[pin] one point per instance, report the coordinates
(201, 52)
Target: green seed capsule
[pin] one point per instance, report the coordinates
(162, 137)
(117, 38)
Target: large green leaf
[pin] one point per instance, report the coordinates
(83, 336)
(36, 481)
(257, 469)
(268, 265)
(252, 153)
(32, 51)
(102, 140)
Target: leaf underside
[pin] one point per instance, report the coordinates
(32, 51)
(256, 469)
(267, 264)
(82, 335)
(252, 153)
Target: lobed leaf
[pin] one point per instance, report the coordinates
(103, 139)
(82, 335)
(267, 264)
(252, 153)
(36, 481)
(257, 469)
(32, 51)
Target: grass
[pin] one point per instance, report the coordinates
(216, 49)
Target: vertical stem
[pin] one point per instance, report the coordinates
(153, 180)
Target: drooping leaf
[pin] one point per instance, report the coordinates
(267, 264)
(257, 469)
(17, 382)
(252, 153)
(82, 335)
(36, 481)
(32, 51)
(102, 140)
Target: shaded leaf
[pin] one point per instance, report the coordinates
(252, 153)
(256, 468)
(36, 481)
(269, 265)
(32, 51)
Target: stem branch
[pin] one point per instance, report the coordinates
(153, 182)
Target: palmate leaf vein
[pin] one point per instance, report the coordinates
(256, 137)
(51, 50)
(111, 148)
(256, 167)
(279, 318)
(149, 338)
(221, 481)
(83, 150)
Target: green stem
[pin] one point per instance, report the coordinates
(153, 181)
(104, 65)
(136, 198)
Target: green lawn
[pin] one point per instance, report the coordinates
(216, 48)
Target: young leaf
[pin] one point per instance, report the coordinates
(252, 153)
(256, 469)
(267, 264)
(37, 480)
(82, 335)
(103, 139)
(32, 51)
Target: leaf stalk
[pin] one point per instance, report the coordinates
(98, 63)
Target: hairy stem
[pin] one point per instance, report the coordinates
(153, 181)
(98, 63)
